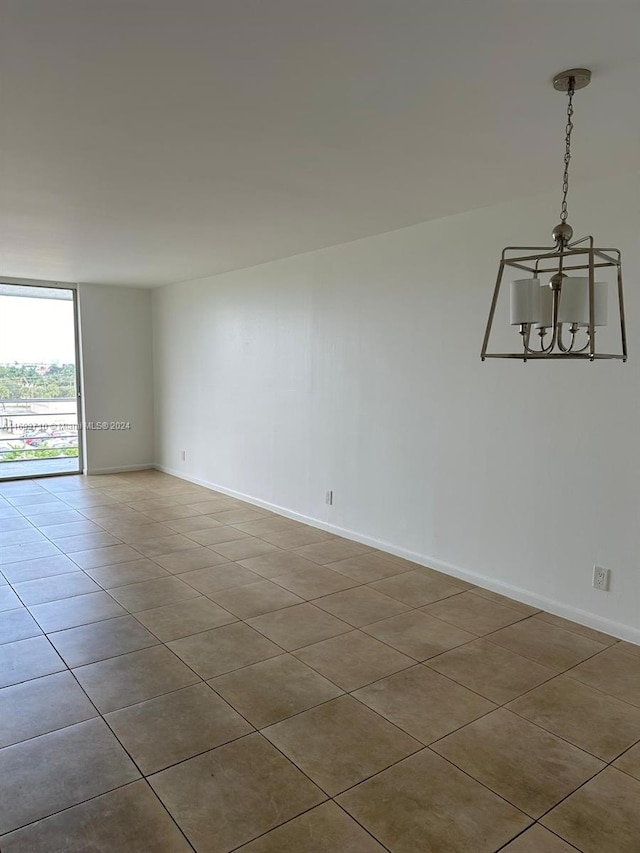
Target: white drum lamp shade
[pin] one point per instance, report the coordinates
(574, 301)
(546, 308)
(525, 301)
(601, 313)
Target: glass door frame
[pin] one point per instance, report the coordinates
(59, 285)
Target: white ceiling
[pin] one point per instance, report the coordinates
(151, 141)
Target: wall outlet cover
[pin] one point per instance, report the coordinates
(601, 578)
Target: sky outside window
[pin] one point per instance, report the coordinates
(36, 331)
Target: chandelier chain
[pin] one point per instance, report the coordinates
(567, 152)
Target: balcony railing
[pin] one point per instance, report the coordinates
(38, 428)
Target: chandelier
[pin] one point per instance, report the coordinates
(557, 312)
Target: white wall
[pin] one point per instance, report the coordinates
(357, 368)
(117, 368)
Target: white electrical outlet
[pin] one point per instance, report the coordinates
(183, 455)
(328, 498)
(601, 578)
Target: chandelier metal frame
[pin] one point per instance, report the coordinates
(563, 257)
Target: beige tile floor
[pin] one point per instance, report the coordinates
(181, 671)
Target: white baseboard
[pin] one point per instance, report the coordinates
(583, 617)
(120, 469)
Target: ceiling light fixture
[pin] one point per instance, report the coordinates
(563, 310)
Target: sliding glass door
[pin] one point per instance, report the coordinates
(39, 381)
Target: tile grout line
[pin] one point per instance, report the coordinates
(528, 829)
